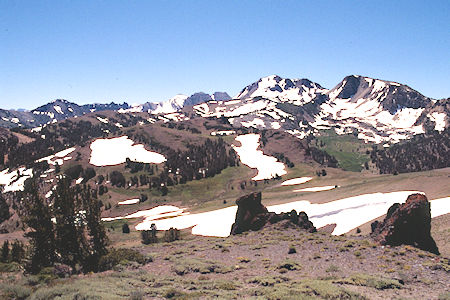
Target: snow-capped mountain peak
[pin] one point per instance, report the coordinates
(172, 105)
(274, 87)
(392, 95)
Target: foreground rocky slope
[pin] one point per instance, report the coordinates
(281, 257)
(252, 265)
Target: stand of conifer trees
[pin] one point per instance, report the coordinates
(69, 231)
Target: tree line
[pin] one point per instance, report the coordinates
(423, 152)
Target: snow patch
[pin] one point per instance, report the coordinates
(275, 125)
(103, 120)
(57, 158)
(316, 189)
(14, 181)
(127, 202)
(267, 166)
(115, 151)
(158, 212)
(439, 120)
(295, 181)
(223, 132)
(440, 207)
(254, 123)
(58, 109)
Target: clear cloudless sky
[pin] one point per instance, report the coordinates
(138, 51)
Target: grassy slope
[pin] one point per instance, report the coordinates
(347, 149)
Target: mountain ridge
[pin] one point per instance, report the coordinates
(374, 109)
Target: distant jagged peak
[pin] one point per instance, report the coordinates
(220, 96)
(274, 87)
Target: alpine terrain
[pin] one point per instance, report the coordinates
(288, 190)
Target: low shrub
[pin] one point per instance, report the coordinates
(14, 291)
(372, 281)
(9, 267)
(289, 265)
(171, 235)
(121, 256)
(292, 250)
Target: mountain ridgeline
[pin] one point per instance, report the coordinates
(375, 111)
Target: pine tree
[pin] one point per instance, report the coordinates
(98, 240)
(17, 251)
(4, 209)
(70, 243)
(36, 215)
(5, 252)
(125, 228)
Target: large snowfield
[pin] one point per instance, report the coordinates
(268, 167)
(347, 214)
(115, 151)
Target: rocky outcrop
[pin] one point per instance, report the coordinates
(407, 224)
(252, 215)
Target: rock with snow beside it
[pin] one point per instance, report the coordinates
(115, 151)
(408, 223)
(252, 215)
(346, 214)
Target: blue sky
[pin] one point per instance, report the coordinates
(138, 51)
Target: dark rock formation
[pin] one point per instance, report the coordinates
(252, 215)
(407, 223)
